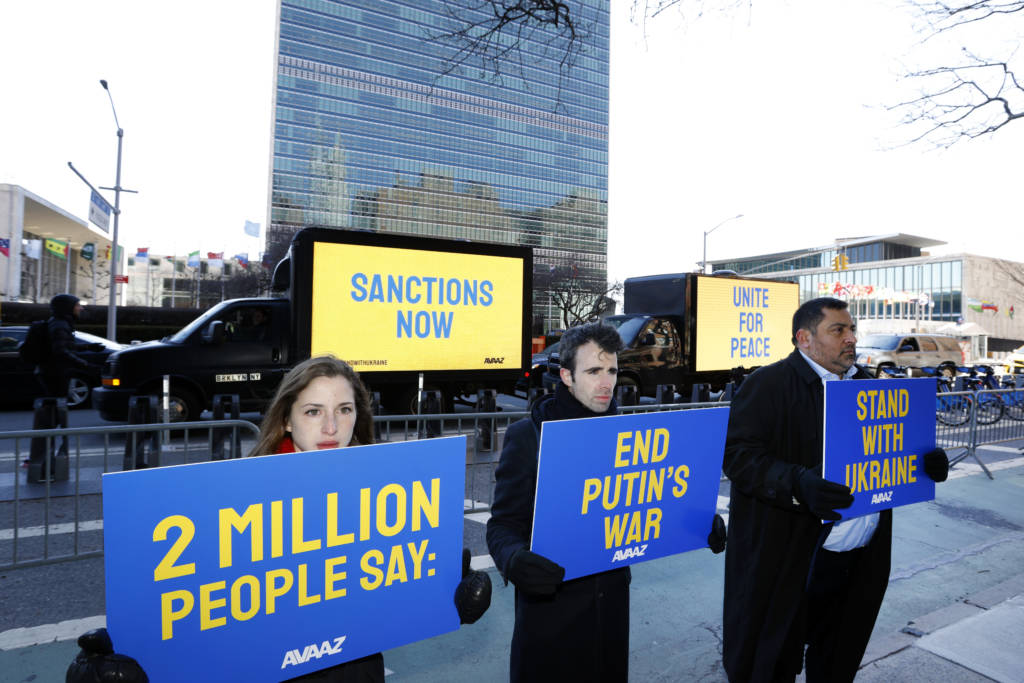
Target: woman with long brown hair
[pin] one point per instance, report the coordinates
(321, 403)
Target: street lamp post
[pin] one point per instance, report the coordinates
(112, 308)
(704, 260)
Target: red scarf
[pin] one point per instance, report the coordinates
(286, 445)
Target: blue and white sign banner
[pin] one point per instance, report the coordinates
(99, 211)
(262, 569)
(876, 434)
(614, 491)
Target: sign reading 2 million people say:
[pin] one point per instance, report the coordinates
(876, 434)
(613, 491)
(263, 569)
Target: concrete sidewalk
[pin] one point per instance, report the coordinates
(978, 638)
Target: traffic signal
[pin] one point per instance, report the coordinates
(840, 262)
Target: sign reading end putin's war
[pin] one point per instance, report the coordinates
(264, 569)
(743, 322)
(614, 491)
(876, 435)
(391, 309)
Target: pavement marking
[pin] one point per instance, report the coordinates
(50, 633)
(480, 517)
(967, 469)
(1002, 449)
(64, 528)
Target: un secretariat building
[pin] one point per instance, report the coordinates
(379, 127)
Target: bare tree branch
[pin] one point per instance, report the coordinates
(580, 299)
(944, 16)
(962, 102)
(498, 36)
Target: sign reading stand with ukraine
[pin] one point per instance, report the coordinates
(876, 435)
(263, 569)
(614, 491)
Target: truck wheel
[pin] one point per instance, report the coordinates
(183, 405)
(947, 370)
(79, 392)
(880, 371)
(407, 403)
(627, 381)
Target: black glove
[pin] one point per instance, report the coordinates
(97, 662)
(473, 594)
(534, 574)
(936, 464)
(822, 496)
(716, 539)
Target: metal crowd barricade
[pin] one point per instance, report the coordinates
(997, 416)
(33, 507)
(54, 521)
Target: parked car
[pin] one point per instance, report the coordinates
(538, 366)
(18, 379)
(877, 351)
(1014, 363)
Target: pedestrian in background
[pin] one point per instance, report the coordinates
(55, 371)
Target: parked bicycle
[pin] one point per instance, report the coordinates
(990, 406)
(1013, 401)
(950, 409)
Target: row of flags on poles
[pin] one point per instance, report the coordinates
(34, 249)
(214, 259)
(59, 248)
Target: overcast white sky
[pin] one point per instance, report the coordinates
(774, 114)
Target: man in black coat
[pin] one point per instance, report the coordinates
(574, 630)
(791, 580)
(55, 373)
(564, 630)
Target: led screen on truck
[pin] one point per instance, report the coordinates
(743, 322)
(393, 309)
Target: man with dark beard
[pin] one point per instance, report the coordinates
(790, 579)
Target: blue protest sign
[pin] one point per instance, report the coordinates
(876, 433)
(613, 491)
(262, 569)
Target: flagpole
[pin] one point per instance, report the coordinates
(174, 276)
(67, 267)
(39, 272)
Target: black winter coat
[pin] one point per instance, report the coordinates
(775, 430)
(582, 633)
(61, 329)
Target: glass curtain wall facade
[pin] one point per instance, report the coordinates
(375, 130)
(925, 291)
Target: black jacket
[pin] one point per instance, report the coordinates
(775, 430)
(582, 633)
(61, 328)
